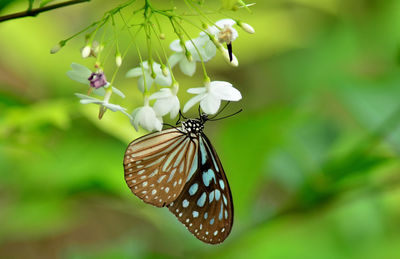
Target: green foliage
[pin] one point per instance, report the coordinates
(312, 160)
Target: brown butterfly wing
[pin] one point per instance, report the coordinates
(157, 165)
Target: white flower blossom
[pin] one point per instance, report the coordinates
(160, 79)
(211, 95)
(81, 74)
(146, 117)
(224, 31)
(207, 51)
(166, 102)
(85, 99)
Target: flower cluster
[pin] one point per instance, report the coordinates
(186, 54)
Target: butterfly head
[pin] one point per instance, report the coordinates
(195, 126)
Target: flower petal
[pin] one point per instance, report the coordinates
(193, 101)
(118, 92)
(210, 104)
(134, 72)
(79, 73)
(223, 22)
(209, 50)
(175, 58)
(175, 46)
(213, 30)
(197, 90)
(188, 68)
(163, 80)
(235, 34)
(113, 107)
(134, 120)
(158, 123)
(83, 97)
(163, 106)
(149, 82)
(163, 93)
(175, 108)
(157, 68)
(80, 68)
(99, 91)
(224, 91)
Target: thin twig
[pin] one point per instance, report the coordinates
(35, 12)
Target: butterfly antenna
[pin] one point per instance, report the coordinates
(180, 117)
(223, 108)
(199, 111)
(233, 114)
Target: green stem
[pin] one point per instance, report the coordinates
(164, 52)
(34, 12)
(197, 50)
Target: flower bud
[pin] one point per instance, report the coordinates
(162, 36)
(86, 51)
(225, 54)
(118, 59)
(56, 48)
(246, 27)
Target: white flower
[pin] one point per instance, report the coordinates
(211, 94)
(146, 117)
(81, 74)
(207, 51)
(160, 79)
(224, 31)
(85, 99)
(166, 102)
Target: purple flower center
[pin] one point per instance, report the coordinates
(97, 80)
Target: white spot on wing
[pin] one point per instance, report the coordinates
(185, 203)
(193, 189)
(202, 200)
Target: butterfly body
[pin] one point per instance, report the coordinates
(180, 169)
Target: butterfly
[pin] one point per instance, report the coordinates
(178, 168)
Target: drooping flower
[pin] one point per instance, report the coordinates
(211, 95)
(160, 78)
(224, 31)
(187, 67)
(96, 80)
(146, 117)
(104, 104)
(166, 102)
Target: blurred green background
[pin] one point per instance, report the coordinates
(312, 160)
